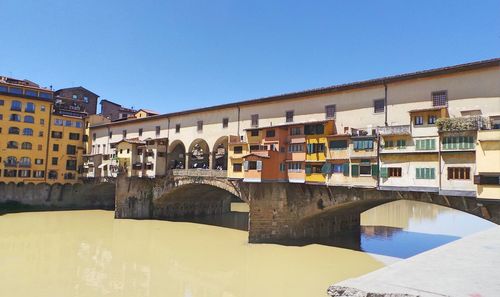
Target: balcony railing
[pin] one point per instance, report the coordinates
(10, 164)
(460, 124)
(394, 130)
(199, 172)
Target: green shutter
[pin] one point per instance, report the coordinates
(384, 172)
(427, 174)
(346, 169)
(355, 169)
(461, 142)
(326, 168)
(433, 173)
(374, 170)
(308, 170)
(433, 144)
(419, 142)
(419, 173)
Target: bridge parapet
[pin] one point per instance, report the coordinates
(200, 172)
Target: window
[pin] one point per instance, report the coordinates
(487, 180)
(289, 116)
(252, 165)
(293, 148)
(459, 173)
(124, 134)
(363, 144)
(378, 105)
(12, 145)
(40, 147)
(85, 99)
(294, 166)
(46, 95)
(425, 173)
(139, 152)
(30, 107)
(365, 168)
(1, 116)
(26, 146)
(225, 122)
(24, 173)
(68, 123)
(237, 167)
(177, 128)
(54, 161)
(78, 124)
(71, 165)
(110, 134)
(74, 136)
(295, 131)
(158, 129)
(425, 144)
(16, 105)
(38, 173)
(254, 133)
(14, 130)
(57, 134)
(440, 98)
(38, 161)
(330, 111)
(199, 126)
(389, 144)
(1, 100)
(310, 169)
(338, 168)
(140, 131)
(282, 167)
(401, 143)
(458, 142)
(42, 108)
(75, 97)
(25, 162)
(55, 147)
(31, 93)
(255, 120)
(418, 120)
(71, 149)
(315, 148)
(432, 119)
(42, 122)
(338, 144)
(58, 122)
(270, 133)
(394, 171)
(15, 118)
(314, 129)
(238, 149)
(53, 174)
(29, 119)
(10, 173)
(11, 161)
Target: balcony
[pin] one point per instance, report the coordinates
(394, 130)
(24, 165)
(9, 164)
(460, 124)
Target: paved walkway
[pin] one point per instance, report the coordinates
(467, 267)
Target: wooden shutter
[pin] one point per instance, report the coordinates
(245, 165)
(346, 169)
(374, 170)
(432, 144)
(384, 172)
(355, 169)
(419, 173)
(433, 173)
(259, 165)
(308, 170)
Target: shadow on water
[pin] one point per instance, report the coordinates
(232, 220)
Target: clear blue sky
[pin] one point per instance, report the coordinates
(176, 55)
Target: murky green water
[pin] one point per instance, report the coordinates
(88, 253)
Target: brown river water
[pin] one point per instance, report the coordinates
(89, 253)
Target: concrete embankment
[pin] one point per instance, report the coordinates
(26, 197)
(467, 267)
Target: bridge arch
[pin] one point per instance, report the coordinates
(198, 154)
(176, 155)
(220, 153)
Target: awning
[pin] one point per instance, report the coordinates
(298, 140)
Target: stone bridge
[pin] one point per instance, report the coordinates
(279, 212)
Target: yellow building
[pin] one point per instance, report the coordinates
(236, 150)
(487, 178)
(316, 152)
(65, 149)
(25, 112)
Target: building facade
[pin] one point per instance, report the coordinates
(384, 132)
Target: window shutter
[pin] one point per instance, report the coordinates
(308, 169)
(355, 169)
(374, 170)
(384, 172)
(259, 165)
(433, 173)
(418, 144)
(346, 169)
(418, 173)
(432, 144)
(326, 168)
(245, 165)
(460, 142)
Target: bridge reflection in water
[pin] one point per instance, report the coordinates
(398, 229)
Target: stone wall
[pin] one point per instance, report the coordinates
(57, 196)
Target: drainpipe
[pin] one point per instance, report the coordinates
(385, 102)
(47, 143)
(166, 147)
(238, 120)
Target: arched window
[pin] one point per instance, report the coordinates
(30, 107)
(12, 145)
(28, 131)
(16, 105)
(29, 119)
(11, 161)
(25, 162)
(26, 145)
(15, 117)
(14, 130)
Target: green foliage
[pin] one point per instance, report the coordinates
(460, 124)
